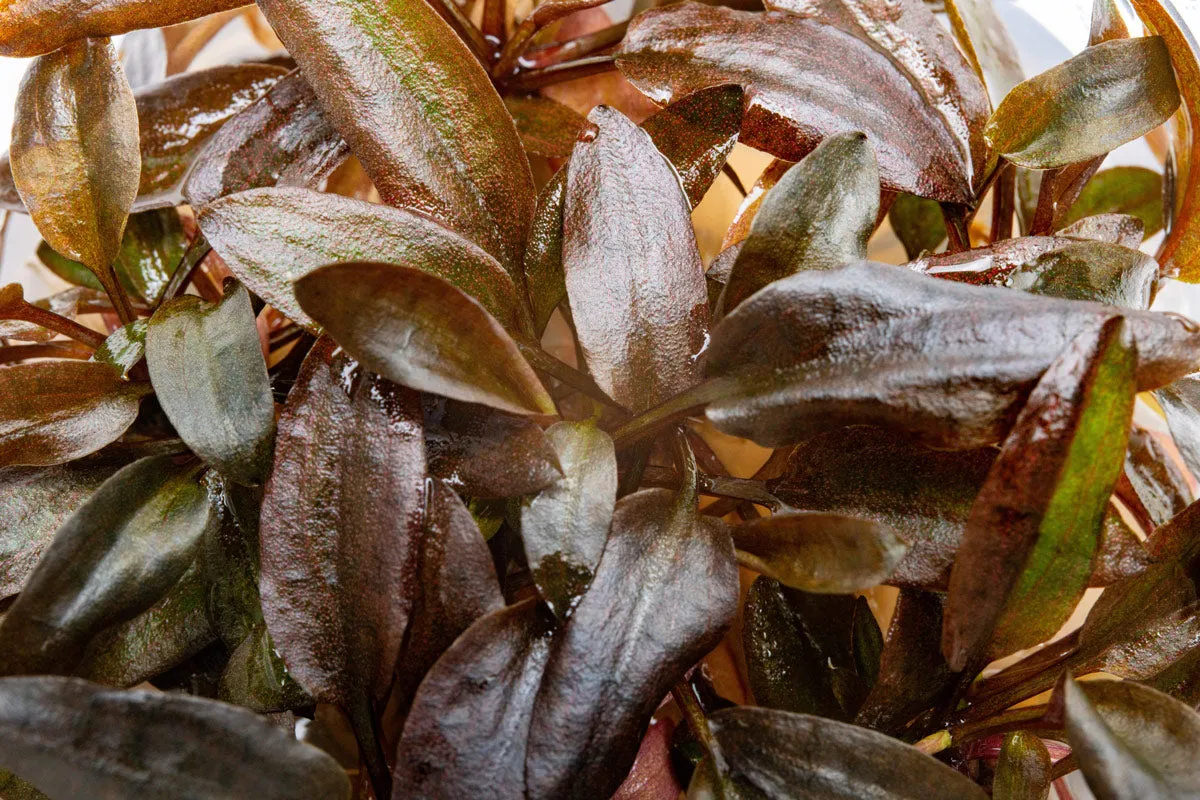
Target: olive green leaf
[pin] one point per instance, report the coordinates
(124, 347)
(1122, 190)
(256, 677)
(918, 224)
(1023, 771)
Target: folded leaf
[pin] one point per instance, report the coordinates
(419, 111)
(1109, 94)
(424, 333)
(633, 271)
(881, 345)
(272, 237)
(112, 559)
(1122, 190)
(255, 677)
(57, 411)
(208, 373)
(77, 739)
(818, 216)
(565, 525)
(1023, 771)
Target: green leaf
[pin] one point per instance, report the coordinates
(547, 128)
(421, 331)
(77, 739)
(1108, 95)
(419, 111)
(1034, 529)
(564, 526)
(818, 216)
(207, 368)
(152, 247)
(868, 642)
(272, 237)
(918, 224)
(229, 560)
(823, 553)
(124, 347)
(1097, 271)
(112, 559)
(1023, 772)
(256, 678)
(633, 271)
(292, 141)
(70, 271)
(1122, 190)
(57, 411)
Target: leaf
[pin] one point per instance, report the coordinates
(41, 26)
(271, 237)
(868, 642)
(987, 44)
(739, 228)
(256, 678)
(881, 345)
(620, 653)
(1122, 190)
(1180, 403)
(696, 134)
(798, 756)
(76, 739)
(1132, 741)
(918, 224)
(281, 139)
(34, 502)
(1156, 479)
(484, 453)
(144, 57)
(124, 347)
(822, 553)
(57, 411)
(229, 561)
(1035, 527)
(1123, 229)
(75, 151)
(494, 670)
(565, 525)
(207, 368)
(1109, 94)
(652, 776)
(70, 271)
(163, 636)
(818, 216)
(340, 517)
(1097, 271)
(547, 128)
(991, 265)
(797, 95)
(394, 320)
(1023, 772)
(113, 558)
(419, 112)
(633, 272)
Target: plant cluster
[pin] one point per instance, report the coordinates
(301, 495)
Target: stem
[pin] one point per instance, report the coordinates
(733, 177)
(739, 489)
(543, 362)
(457, 19)
(362, 722)
(47, 319)
(560, 73)
(585, 45)
(693, 714)
(493, 20)
(1004, 203)
(678, 407)
(513, 49)
(14, 353)
(112, 287)
(689, 473)
(957, 228)
(195, 253)
(1032, 666)
(1030, 718)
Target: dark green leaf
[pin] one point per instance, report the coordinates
(1122, 190)
(819, 216)
(57, 411)
(70, 271)
(229, 556)
(868, 642)
(256, 678)
(547, 128)
(419, 111)
(272, 237)
(112, 559)
(1023, 772)
(207, 368)
(150, 250)
(124, 347)
(397, 321)
(633, 272)
(1109, 94)
(564, 526)
(918, 224)
(78, 739)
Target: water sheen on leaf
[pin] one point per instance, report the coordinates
(1023, 771)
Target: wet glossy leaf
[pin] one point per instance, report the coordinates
(112, 559)
(1023, 772)
(564, 526)
(163, 636)
(419, 111)
(56, 411)
(1122, 190)
(1097, 271)
(818, 552)
(782, 754)
(949, 362)
(340, 518)
(1035, 528)
(798, 95)
(1180, 402)
(918, 224)
(272, 237)
(1123, 229)
(987, 44)
(229, 561)
(633, 271)
(256, 678)
(485, 453)
(208, 372)
(70, 271)
(1156, 479)
(124, 347)
(867, 642)
(696, 134)
(282, 139)
(34, 27)
(619, 654)
(547, 128)
(1107, 95)
(1132, 741)
(652, 777)
(76, 739)
(75, 151)
(494, 670)
(990, 265)
(396, 320)
(818, 216)
(34, 502)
